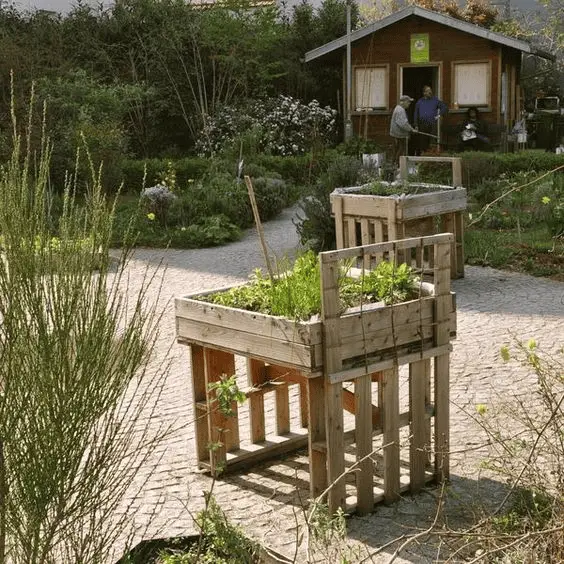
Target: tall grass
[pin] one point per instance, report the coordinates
(74, 351)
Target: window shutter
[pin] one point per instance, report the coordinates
(471, 84)
(371, 88)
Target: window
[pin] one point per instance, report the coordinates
(472, 84)
(371, 88)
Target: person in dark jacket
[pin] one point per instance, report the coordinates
(473, 132)
(428, 109)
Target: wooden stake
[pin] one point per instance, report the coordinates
(258, 223)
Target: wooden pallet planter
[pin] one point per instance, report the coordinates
(364, 346)
(363, 219)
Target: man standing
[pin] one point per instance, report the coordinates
(400, 128)
(428, 109)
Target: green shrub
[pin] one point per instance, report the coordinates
(478, 166)
(315, 225)
(189, 168)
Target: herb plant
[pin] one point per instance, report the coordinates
(296, 294)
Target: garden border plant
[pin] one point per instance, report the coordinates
(75, 355)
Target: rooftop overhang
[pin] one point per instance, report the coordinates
(436, 17)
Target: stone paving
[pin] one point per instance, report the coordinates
(267, 501)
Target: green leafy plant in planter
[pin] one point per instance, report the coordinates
(296, 293)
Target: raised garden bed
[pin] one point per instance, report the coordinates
(399, 210)
(361, 345)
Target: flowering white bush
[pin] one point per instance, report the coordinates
(283, 125)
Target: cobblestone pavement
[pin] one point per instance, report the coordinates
(267, 500)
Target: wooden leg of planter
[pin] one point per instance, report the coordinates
(417, 447)
(363, 434)
(282, 396)
(442, 368)
(390, 426)
(449, 226)
(459, 236)
(304, 411)
(339, 224)
(443, 305)
(335, 445)
(255, 378)
(316, 428)
(223, 430)
(200, 404)
(428, 403)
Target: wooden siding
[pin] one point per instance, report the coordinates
(391, 46)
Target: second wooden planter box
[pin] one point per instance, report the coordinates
(362, 219)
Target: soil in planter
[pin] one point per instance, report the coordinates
(396, 189)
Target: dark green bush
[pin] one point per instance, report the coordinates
(478, 167)
(315, 225)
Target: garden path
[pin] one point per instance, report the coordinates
(266, 500)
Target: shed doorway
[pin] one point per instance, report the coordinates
(414, 78)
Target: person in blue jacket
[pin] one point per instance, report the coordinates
(427, 112)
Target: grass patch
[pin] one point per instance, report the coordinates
(533, 251)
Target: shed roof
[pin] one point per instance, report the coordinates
(428, 15)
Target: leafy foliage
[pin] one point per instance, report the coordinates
(221, 541)
(281, 126)
(296, 293)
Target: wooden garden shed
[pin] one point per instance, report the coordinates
(465, 64)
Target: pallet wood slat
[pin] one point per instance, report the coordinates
(256, 378)
(418, 444)
(199, 395)
(364, 423)
(390, 431)
(330, 317)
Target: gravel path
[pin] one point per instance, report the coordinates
(267, 500)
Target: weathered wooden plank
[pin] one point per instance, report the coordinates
(442, 409)
(442, 371)
(199, 395)
(317, 434)
(449, 224)
(282, 401)
(304, 357)
(403, 358)
(351, 232)
(304, 403)
(379, 341)
(330, 313)
(385, 247)
(363, 426)
(273, 447)
(390, 439)
(279, 328)
(365, 240)
(365, 205)
(459, 238)
(378, 238)
(377, 317)
(432, 210)
(417, 446)
(256, 377)
(223, 430)
(337, 208)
